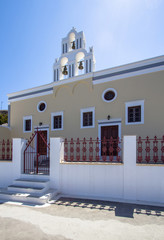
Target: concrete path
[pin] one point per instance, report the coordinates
(81, 220)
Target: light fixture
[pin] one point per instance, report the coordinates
(40, 124)
(108, 117)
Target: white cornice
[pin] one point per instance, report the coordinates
(47, 89)
(129, 66)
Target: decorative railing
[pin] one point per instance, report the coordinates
(150, 150)
(106, 150)
(6, 150)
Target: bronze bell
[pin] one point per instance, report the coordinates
(81, 65)
(73, 45)
(65, 72)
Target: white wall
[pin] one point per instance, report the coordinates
(6, 169)
(126, 181)
(9, 171)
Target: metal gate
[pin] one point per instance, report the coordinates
(36, 154)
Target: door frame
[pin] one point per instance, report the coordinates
(105, 123)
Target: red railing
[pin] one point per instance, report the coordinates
(106, 150)
(6, 150)
(150, 150)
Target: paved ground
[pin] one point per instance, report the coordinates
(82, 220)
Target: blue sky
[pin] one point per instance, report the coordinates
(121, 31)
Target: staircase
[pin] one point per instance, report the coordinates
(33, 190)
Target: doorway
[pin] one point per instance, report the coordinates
(109, 135)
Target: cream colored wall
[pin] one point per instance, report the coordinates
(72, 97)
(5, 133)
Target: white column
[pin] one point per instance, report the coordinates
(19, 146)
(129, 158)
(56, 153)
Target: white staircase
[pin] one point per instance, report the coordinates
(29, 189)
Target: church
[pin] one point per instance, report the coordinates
(82, 102)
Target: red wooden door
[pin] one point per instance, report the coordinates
(42, 142)
(108, 132)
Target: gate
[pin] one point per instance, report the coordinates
(36, 154)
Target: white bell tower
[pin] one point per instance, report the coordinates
(74, 60)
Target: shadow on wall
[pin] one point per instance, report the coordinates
(120, 209)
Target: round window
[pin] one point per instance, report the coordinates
(41, 106)
(109, 95)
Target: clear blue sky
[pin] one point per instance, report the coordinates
(121, 31)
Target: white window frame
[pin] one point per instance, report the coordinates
(24, 119)
(85, 110)
(52, 120)
(39, 104)
(106, 90)
(133, 104)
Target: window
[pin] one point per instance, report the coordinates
(88, 117)
(41, 107)
(109, 95)
(27, 124)
(134, 112)
(57, 121)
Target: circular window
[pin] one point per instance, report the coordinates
(41, 106)
(109, 95)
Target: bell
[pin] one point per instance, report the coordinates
(81, 65)
(73, 45)
(65, 72)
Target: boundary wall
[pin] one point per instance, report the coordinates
(109, 181)
(125, 181)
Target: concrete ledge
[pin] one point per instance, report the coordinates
(91, 163)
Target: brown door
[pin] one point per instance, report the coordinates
(42, 142)
(108, 132)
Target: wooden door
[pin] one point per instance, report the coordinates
(42, 142)
(108, 132)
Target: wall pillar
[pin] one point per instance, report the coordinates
(19, 146)
(56, 153)
(129, 159)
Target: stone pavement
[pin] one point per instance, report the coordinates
(79, 219)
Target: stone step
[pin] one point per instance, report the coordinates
(27, 198)
(26, 189)
(32, 182)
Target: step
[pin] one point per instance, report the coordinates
(26, 189)
(32, 182)
(10, 196)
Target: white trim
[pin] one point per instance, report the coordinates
(106, 90)
(109, 121)
(31, 96)
(84, 110)
(39, 105)
(42, 126)
(133, 104)
(52, 120)
(24, 119)
(126, 75)
(130, 65)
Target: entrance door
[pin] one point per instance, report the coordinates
(42, 143)
(109, 132)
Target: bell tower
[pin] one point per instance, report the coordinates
(74, 60)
